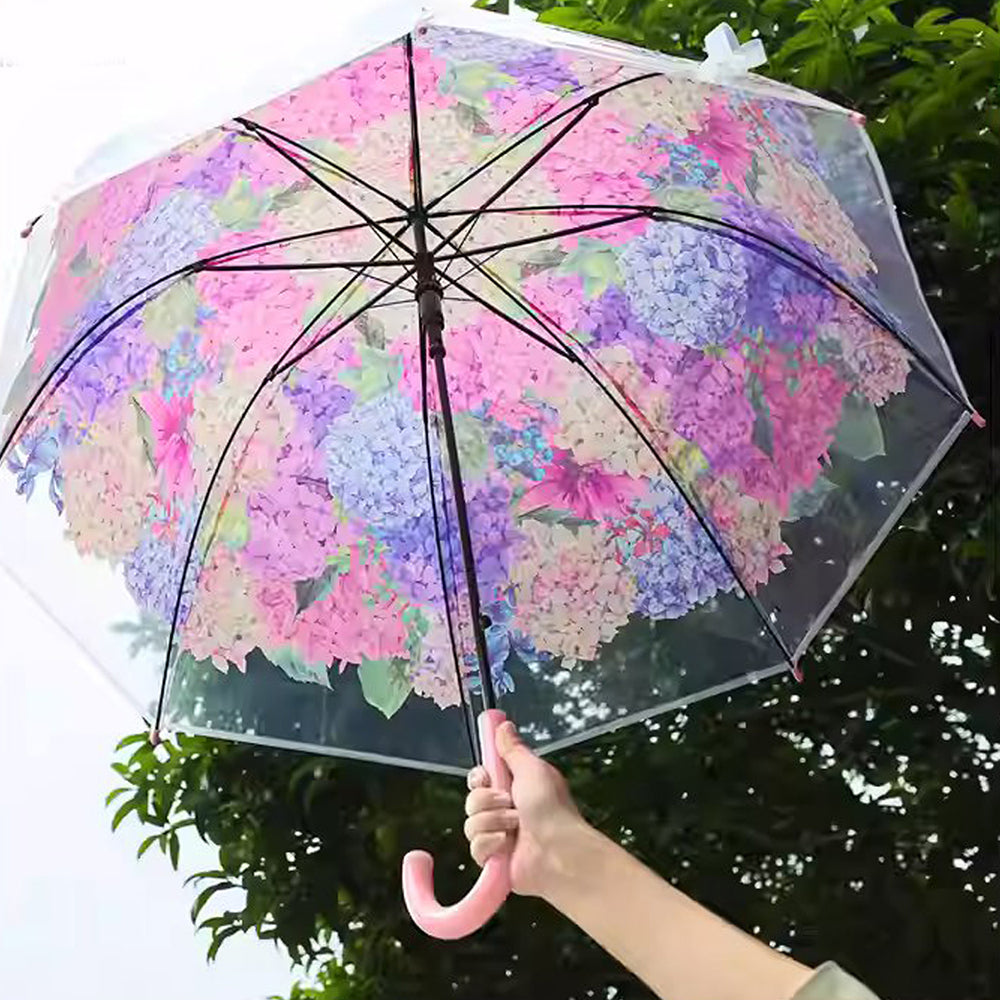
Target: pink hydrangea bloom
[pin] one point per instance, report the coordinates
(798, 195)
(750, 528)
(563, 571)
(433, 675)
(600, 162)
(108, 486)
(879, 362)
(223, 624)
(558, 298)
(342, 103)
(804, 403)
(256, 316)
(352, 622)
(492, 365)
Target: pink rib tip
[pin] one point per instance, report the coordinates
(978, 419)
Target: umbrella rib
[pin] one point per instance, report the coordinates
(496, 310)
(192, 267)
(276, 370)
(332, 191)
(725, 229)
(326, 161)
(591, 100)
(517, 299)
(585, 110)
(554, 330)
(541, 237)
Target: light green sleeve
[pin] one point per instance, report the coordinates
(830, 982)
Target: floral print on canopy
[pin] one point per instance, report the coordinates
(728, 368)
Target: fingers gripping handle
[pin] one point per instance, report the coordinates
(493, 885)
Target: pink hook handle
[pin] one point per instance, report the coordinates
(493, 885)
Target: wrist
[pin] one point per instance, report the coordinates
(573, 854)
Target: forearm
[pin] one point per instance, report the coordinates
(678, 948)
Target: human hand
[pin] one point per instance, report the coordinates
(533, 822)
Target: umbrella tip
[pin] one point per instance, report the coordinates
(978, 419)
(797, 673)
(26, 232)
(858, 118)
(154, 737)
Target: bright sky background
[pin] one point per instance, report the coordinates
(79, 916)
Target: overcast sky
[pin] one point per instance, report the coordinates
(79, 917)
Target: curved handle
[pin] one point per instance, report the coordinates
(493, 885)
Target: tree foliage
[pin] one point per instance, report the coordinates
(852, 817)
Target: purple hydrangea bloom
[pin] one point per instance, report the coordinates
(459, 45)
(539, 70)
(609, 320)
(687, 570)
(376, 461)
(412, 551)
(110, 362)
(166, 238)
(788, 303)
(293, 526)
(760, 221)
(793, 126)
(215, 172)
(113, 363)
(318, 398)
(686, 284)
(153, 570)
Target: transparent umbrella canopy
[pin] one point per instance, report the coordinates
(496, 365)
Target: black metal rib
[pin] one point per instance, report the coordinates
(726, 230)
(264, 383)
(192, 267)
(531, 133)
(533, 334)
(326, 161)
(702, 520)
(330, 190)
(585, 109)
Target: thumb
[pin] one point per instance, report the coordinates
(511, 747)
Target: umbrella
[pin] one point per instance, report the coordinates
(496, 366)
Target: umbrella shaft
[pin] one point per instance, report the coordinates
(431, 315)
